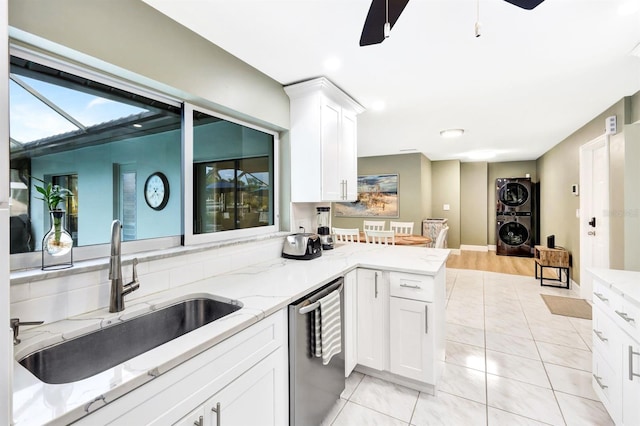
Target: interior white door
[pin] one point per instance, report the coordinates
(594, 210)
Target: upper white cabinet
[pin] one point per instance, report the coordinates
(324, 152)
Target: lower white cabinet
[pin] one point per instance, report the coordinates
(252, 399)
(372, 318)
(247, 374)
(350, 321)
(616, 352)
(410, 346)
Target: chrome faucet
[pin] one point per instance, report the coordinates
(118, 289)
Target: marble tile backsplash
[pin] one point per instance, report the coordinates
(76, 293)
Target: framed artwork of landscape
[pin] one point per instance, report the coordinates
(377, 197)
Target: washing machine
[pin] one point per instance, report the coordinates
(513, 234)
(514, 195)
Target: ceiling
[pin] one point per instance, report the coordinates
(530, 80)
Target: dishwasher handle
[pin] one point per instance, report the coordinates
(315, 305)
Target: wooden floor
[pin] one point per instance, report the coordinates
(489, 261)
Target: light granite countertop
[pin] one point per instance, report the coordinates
(625, 283)
(263, 289)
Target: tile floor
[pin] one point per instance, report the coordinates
(509, 362)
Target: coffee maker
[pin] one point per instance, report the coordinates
(324, 230)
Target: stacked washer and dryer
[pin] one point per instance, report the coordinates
(515, 217)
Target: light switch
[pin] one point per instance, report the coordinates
(446, 207)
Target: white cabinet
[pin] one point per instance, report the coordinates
(372, 318)
(350, 322)
(254, 398)
(616, 352)
(323, 142)
(416, 319)
(401, 319)
(249, 369)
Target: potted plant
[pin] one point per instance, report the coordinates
(57, 241)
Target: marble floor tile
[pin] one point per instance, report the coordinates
(571, 381)
(446, 409)
(354, 414)
(351, 383)
(518, 368)
(465, 355)
(521, 398)
(582, 326)
(385, 397)
(334, 412)
(503, 418)
(524, 347)
(460, 317)
(583, 412)
(558, 337)
(565, 356)
(464, 382)
(502, 327)
(463, 334)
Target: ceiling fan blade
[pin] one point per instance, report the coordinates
(373, 30)
(525, 4)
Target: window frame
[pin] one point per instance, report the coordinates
(190, 238)
(32, 260)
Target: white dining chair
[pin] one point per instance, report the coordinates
(373, 225)
(441, 239)
(380, 237)
(347, 235)
(402, 227)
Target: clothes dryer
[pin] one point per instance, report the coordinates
(514, 195)
(513, 235)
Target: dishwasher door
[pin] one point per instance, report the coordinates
(313, 387)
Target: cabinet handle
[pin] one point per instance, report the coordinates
(625, 317)
(601, 297)
(344, 189)
(199, 422)
(376, 284)
(631, 354)
(598, 380)
(426, 319)
(218, 413)
(599, 334)
(409, 286)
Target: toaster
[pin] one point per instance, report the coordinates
(302, 246)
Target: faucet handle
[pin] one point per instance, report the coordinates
(135, 270)
(15, 324)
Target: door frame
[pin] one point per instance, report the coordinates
(586, 199)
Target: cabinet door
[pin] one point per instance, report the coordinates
(258, 397)
(350, 322)
(194, 418)
(330, 137)
(410, 341)
(349, 157)
(371, 319)
(631, 383)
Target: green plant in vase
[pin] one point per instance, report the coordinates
(57, 241)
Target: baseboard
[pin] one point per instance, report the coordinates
(492, 247)
(454, 251)
(473, 248)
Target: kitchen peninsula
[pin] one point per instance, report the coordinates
(265, 290)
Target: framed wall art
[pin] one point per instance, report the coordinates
(377, 197)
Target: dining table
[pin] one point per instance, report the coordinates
(405, 239)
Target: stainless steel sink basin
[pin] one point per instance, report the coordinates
(92, 353)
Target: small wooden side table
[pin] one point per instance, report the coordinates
(557, 258)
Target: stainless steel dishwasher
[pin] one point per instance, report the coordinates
(313, 387)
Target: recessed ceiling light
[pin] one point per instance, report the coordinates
(332, 64)
(451, 133)
(137, 125)
(378, 105)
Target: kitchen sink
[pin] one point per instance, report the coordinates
(92, 353)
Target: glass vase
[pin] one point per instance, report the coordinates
(57, 242)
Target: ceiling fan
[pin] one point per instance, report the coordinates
(383, 15)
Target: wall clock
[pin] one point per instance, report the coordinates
(156, 191)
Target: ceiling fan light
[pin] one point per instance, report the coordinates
(451, 133)
(387, 29)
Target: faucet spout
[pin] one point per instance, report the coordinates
(118, 288)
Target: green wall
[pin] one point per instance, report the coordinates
(473, 202)
(414, 179)
(446, 190)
